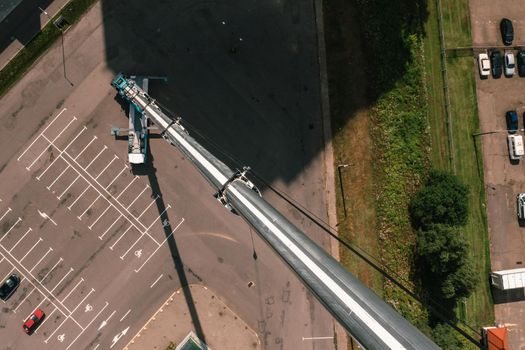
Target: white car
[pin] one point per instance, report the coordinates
(484, 65)
(510, 63)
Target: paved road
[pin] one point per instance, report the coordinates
(101, 247)
(503, 179)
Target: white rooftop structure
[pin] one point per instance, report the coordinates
(508, 279)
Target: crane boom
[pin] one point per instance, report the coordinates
(371, 321)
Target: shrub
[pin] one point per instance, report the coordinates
(443, 200)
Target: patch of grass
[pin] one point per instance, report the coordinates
(465, 161)
(20, 64)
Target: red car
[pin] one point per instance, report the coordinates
(33, 321)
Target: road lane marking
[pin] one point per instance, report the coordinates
(71, 291)
(18, 159)
(85, 211)
(160, 216)
(152, 202)
(105, 322)
(72, 204)
(110, 226)
(117, 337)
(57, 178)
(116, 177)
(124, 190)
(16, 223)
(123, 317)
(101, 215)
(45, 216)
(94, 159)
(90, 142)
(158, 278)
(89, 324)
(158, 247)
(42, 258)
(111, 247)
(7, 212)
(58, 262)
(137, 197)
(29, 251)
(27, 296)
(21, 238)
(68, 187)
(107, 166)
(63, 278)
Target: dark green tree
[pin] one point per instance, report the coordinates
(446, 268)
(443, 200)
(446, 337)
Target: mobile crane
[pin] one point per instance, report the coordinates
(368, 319)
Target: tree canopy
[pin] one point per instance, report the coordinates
(443, 200)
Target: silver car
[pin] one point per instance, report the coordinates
(510, 63)
(521, 206)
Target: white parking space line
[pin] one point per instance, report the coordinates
(116, 177)
(48, 167)
(62, 279)
(87, 209)
(107, 166)
(101, 215)
(42, 258)
(89, 324)
(71, 291)
(84, 128)
(123, 317)
(152, 202)
(129, 249)
(16, 223)
(56, 329)
(158, 278)
(8, 274)
(7, 212)
(137, 197)
(67, 126)
(109, 228)
(40, 155)
(48, 316)
(90, 142)
(76, 199)
(111, 247)
(58, 262)
(57, 178)
(29, 251)
(124, 190)
(96, 347)
(62, 111)
(27, 296)
(21, 238)
(94, 159)
(82, 302)
(68, 187)
(160, 245)
(160, 216)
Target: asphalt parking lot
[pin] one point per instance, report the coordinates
(503, 179)
(100, 247)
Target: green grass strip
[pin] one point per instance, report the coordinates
(20, 64)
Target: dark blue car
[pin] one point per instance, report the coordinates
(512, 121)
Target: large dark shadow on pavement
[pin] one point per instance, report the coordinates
(23, 23)
(149, 170)
(246, 74)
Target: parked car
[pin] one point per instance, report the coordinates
(9, 286)
(521, 206)
(512, 121)
(521, 63)
(33, 321)
(484, 65)
(510, 63)
(516, 150)
(496, 62)
(507, 31)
